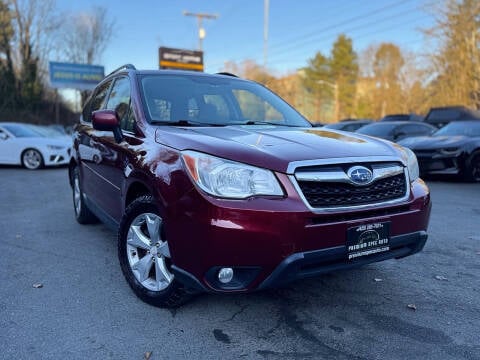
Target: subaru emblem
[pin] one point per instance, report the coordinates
(360, 175)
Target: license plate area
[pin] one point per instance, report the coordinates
(368, 239)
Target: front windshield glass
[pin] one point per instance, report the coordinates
(465, 128)
(22, 130)
(206, 100)
(377, 129)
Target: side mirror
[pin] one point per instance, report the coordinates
(107, 120)
(3, 136)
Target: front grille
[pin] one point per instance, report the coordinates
(330, 194)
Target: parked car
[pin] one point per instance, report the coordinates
(402, 117)
(23, 144)
(348, 125)
(441, 116)
(397, 130)
(218, 185)
(454, 149)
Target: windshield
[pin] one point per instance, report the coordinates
(22, 130)
(377, 129)
(208, 100)
(465, 128)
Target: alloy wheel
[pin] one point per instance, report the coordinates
(32, 159)
(148, 255)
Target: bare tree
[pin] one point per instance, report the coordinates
(86, 36)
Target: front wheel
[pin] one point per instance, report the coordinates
(472, 172)
(32, 159)
(144, 255)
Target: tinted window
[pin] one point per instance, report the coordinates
(417, 129)
(466, 128)
(444, 115)
(22, 131)
(377, 129)
(119, 101)
(98, 100)
(211, 99)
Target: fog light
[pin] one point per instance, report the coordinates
(225, 275)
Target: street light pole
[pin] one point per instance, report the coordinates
(334, 86)
(265, 31)
(201, 30)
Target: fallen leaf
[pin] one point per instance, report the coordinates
(440, 277)
(412, 306)
(377, 279)
(38, 285)
(147, 355)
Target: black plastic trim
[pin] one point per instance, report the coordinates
(188, 280)
(317, 262)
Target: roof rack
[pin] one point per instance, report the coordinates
(226, 74)
(126, 66)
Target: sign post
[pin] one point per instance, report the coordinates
(180, 59)
(75, 76)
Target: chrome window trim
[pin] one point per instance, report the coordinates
(339, 161)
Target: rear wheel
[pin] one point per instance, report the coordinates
(472, 171)
(144, 255)
(83, 215)
(32, 159)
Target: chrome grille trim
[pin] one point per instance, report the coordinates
(380, 172)
(341, 176)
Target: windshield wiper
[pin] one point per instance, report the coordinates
(183, 122)
(259, 122)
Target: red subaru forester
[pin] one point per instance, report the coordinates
(216, 184)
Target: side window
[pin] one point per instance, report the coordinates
(97, 102)
(119, 101)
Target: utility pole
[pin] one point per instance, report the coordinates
(201, 30)
(265, 31)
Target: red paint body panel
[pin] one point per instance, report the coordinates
(203, 231)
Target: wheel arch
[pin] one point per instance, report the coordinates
(135, 190)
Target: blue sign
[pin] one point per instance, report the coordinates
(75, 76)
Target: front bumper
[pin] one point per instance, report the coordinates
(440, 164)
(278, 241)
(54, 157)
(314, 263)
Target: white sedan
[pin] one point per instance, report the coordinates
(21, 144)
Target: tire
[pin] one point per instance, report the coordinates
(145, 257)
(32, 159)
(83, 215)
(472, 168)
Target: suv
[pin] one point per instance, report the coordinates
(216, 184)
(441, 116)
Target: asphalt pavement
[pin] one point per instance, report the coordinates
(62, 294)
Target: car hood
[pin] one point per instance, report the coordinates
(434, 142)
(273, 147)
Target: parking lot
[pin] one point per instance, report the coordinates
(426, 306)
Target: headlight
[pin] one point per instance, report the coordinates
(229, 179)
(55, 147)
(412, 163)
